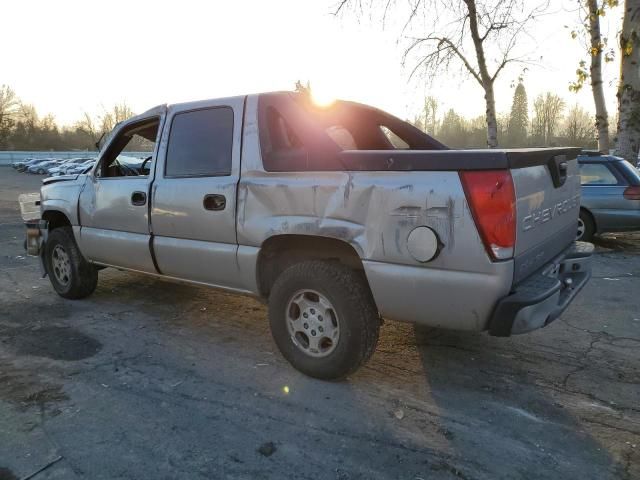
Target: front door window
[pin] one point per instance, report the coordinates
(131, 152)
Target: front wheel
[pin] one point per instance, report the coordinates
(323, 318)
(70, 274)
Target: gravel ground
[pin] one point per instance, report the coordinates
(150, 379)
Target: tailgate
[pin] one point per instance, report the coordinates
(547, 189)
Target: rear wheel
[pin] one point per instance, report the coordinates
(586, 227)
(70, 274)
(323, 318)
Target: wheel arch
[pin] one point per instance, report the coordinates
(591, 216)
(56, 219)
(279, 252)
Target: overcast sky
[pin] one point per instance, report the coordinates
(68, 57)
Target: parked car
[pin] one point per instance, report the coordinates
(67, 165)
(20, 163)
(42, 167)
(79, 167)
(36, 161)
(610, 195)
(55, 168)
(318, 212)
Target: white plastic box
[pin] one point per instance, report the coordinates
(29, 206)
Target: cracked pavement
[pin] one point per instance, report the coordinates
(150, 379)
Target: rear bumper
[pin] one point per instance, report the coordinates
(433, 297)
(543, 296)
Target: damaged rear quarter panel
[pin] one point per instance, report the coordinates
(372, 211)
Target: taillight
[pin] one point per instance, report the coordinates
(632, 193)
(492, 200)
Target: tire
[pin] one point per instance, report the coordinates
(586, 227)
(353, 315)
(41, 172)
(70, 274)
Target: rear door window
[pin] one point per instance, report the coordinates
(200, 143)
(596, 174)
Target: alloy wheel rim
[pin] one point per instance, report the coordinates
(581, 229)
(313, 323)
(61, 265)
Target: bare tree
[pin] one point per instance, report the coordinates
(304, 89)
(28, 115)
(431, 114)
(88, 125)
(578, 126)
(116, 114)
(48, 122)
(481, 31)
(629, 86)
(427, 119)
(9, 109)
(547, 113)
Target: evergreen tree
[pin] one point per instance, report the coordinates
(453, 131)
(519, 118)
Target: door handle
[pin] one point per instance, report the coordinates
(214, 202)
(138, 198)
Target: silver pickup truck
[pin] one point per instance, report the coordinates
(338, 216)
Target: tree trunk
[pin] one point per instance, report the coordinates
(602, 118)
(492, 121)
(487, 81)
(628, 144)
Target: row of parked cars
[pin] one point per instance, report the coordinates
(54, 166)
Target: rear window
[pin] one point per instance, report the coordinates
(596, 174)
(200, 143)
(297, 135)
(630, 172)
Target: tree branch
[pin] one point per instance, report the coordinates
(444, 44)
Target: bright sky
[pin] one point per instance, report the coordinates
(68, 57)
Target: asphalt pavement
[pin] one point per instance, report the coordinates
(148, 379)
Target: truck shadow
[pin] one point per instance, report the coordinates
(503, 407)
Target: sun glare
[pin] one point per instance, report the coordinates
(322, 97)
